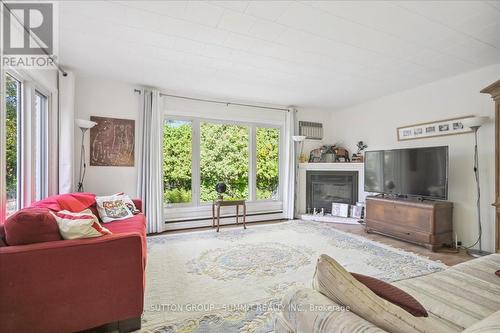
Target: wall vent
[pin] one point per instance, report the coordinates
(313, 131)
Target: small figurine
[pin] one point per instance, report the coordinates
(358, 157)
(361, 146)
(341, 153)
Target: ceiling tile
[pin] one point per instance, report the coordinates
(236, 5)
(266, 30)
(269, 10)
(203, 12)
(236, 22)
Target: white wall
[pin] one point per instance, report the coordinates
(104, 98)
(375, 123)
(101, 97)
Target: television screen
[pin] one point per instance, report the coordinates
(421, 172)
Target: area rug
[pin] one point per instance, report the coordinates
(233, 281)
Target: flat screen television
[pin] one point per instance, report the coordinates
(417, 172)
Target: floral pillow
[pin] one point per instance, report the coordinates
(113, 208)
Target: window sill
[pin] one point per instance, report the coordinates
(187, 212)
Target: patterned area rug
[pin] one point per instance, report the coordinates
(233, 281)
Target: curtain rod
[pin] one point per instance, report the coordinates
(56, 64)
(218, 102)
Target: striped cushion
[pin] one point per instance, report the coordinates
(333, 281)
(490, 324)
(79, 225)
(461, 295)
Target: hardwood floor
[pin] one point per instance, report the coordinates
(447, 258)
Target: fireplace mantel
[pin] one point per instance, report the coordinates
(304, 167)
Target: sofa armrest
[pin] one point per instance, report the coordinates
(306, 310)
(71, 285)
(138, 204)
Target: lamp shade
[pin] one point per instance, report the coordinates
(475, 122)
(298, 138)
(85, 124)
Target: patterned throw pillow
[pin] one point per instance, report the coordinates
(112, 208)
(128, 202)
(333, 281)
(79, 225)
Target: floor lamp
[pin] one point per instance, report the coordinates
(84, 126)
(474, 123)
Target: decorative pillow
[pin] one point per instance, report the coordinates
(79, 225)
(128, 202)
(497, 272)
(333, 281)
(112, 208)
(392, 294)
(31, 225)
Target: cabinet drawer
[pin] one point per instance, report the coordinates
(399, 231)
(403, 215)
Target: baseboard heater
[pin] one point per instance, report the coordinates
(180, 224)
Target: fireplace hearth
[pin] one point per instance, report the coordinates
(326, 187)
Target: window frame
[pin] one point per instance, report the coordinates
(27, 168)
(19, 141)
(41, 127)
(252, 167)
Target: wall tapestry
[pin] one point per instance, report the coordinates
(433, 129)
(112, 142)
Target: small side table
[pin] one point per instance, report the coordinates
(217, 204)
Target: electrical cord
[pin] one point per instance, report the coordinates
(478, 201)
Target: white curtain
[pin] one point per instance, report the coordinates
(291, 165)
(149, 185)
(66, 132)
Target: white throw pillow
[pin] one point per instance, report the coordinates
(79, 225)
(128, 202)
(112, 208)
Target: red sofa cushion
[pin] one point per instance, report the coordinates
(2, 236)
(31, 225)
(73, 202)
(136, 223)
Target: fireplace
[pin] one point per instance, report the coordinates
(325, 187)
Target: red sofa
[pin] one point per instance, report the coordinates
(74, 285)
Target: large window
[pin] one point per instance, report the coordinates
(267, 163)
(25, 150)
(224, 158)
(12, 142)
(177, 163)
(199, 153)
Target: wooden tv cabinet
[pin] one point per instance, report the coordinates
(426, 223)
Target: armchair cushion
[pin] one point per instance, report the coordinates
(31, 225)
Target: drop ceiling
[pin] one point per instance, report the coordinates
(322, 54)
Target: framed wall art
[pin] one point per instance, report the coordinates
(432, 129)
(112, 142)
